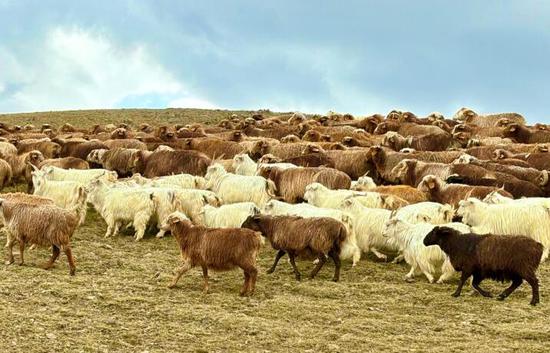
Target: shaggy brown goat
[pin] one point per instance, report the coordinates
(439, 191)
(218, 249)
(355, 163)
(469, 116)
(319, 236)
(311, 160)
(42, 224)
(215, 148)
(522, 134)
(48, 148)
(160, 163)
(291, 183)
(428, 142)
(498, 257)
(125, 143)
(79, 149)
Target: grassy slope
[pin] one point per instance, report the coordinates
(118, 301)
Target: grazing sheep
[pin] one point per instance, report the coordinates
(501, 258)
(422, 259)
(512, 218)
(216, 249)
(295, 235)
(239, 188)
(227, 216)
(42, 224)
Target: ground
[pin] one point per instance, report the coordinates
(118, 301)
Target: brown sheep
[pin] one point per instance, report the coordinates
(316, 136)
(469, 116)
(355, 163)
(5, 174)
(7, 148)
(18, 163)
(407, 129)
(522, 134)
(428, 142)
(311, 160)
(497, 257)
(160, 163)
(291, 183)
(215, 148)
(290, 139)
(120, 160)
(79, 149)
(218, 249)
(474, 131)
(121, 133)
(452, 194)
(405, 192)
(540, 161)
(48, 148)
(282, 150)
(42, 224)
(125, 143)
(319, 236)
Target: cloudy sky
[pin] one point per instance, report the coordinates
(350, 56)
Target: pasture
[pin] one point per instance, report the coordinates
(119, 301)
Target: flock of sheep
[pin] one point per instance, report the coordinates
(467, 194)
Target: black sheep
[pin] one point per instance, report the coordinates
(498, 257)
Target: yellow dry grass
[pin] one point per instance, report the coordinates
(118, 302)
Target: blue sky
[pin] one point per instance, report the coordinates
(356, 56)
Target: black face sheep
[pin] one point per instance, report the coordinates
(320, 236)
(498, 257)
(218, 249)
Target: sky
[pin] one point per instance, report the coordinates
(360, 57)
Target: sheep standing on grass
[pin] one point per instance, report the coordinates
(295, 235)
(501, 258)
(216, 249)
(42, 224)
(232, 188)
(422, 259)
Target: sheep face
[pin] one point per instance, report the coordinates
(252, 222)
(429, 183)
(435, 236)
(174, 218)
(311, 191)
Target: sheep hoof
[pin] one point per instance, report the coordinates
(21, 263)
(455, 295)
(533, 303)
(270, 271)
(160, 236)
(409, 279)
(501, 297)
(335, 279)
(171, 285)
(72, 272)
(9, 262)
(298, 277)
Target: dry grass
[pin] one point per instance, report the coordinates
(118, 302)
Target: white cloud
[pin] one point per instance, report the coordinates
(79, 69)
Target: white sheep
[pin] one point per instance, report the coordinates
(531, 219)
(421, 258)
(182, 181)
(319, 195)
(227, 216)
(232, 188)
(349, 250)
(118, 205)
(364, 183)
(430, 212)
(63, 193)
(496, 198)
(83, 176)
(244, 165)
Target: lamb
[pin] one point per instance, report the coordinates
(421, 258)
(216, 249)
(239, 188)
(42, 224)
(501, 258)
(503, 219)
(117, 205)
(439, 191)
(291, 183)
(294, 235)
(227, 216)
(349, 247)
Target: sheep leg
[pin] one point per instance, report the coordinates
(475, 283)
(179, 272)
(463, 277)
(399, 258)
(516, 282)
(69, 253)
(322, 259)
(333, 253)
(253, 273)
(280, 254)
(140, 226)
(409, 277)
(378, 254)
(9, 244)
(55, 254)
(534, 283)
(21, 251)
(293, 264)
(205, 277)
